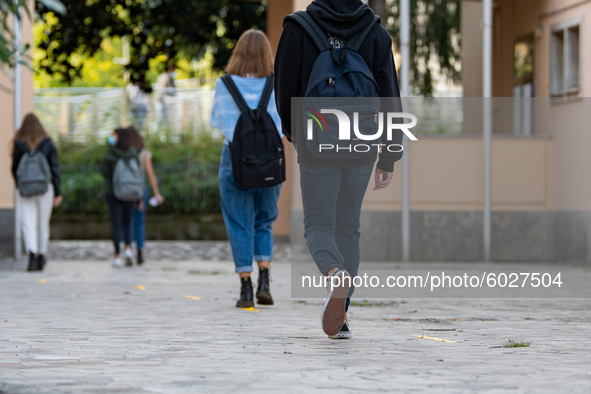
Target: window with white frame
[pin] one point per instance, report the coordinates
(565, 58)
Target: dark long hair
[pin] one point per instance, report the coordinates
(31, 132)
(124, 140)
(135, 138)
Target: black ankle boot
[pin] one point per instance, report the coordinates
(263, 289)
(41, 260)
(246, 298)
(32, 262)
(140, 258)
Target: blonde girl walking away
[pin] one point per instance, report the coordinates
(252, 167)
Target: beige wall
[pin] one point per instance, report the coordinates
(470, 17)
(446, 174)
(7, 124)
(513, 19)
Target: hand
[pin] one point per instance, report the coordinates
(57, 201)
(140, 206)
(382, 179)
(160, 199)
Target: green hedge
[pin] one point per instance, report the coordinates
(187, 173)
(202, 148)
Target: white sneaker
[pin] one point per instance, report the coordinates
(128, 258)
(117, 263)
(345, 332)
(333, 308)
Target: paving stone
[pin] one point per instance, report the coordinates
(88, 329)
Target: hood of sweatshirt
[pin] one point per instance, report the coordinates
(341, 18)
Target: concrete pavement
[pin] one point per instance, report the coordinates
(83, 327)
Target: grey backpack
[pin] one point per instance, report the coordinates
(33, 173)
(128, 179)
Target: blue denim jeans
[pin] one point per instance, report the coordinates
(138, 222)
(248, 216)
(332, 198)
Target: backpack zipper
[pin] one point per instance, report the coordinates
(334, 87)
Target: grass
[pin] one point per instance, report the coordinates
(165, 269)
(514, 343)
(367, 303)
(205, 272)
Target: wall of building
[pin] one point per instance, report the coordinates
(446, 179)
(6, 136)
(470, 17)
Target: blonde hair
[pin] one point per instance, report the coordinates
(252, 56)
(31, 132)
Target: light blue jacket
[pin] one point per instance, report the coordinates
(225, 113)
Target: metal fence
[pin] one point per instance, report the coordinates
(78, 114)
(188, 188)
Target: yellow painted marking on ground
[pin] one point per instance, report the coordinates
(42, 281)
(192, 297)
(436, 339)
(251, 309)
(140, 287)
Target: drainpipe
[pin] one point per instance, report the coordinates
(17, 124)
(404, 92)
(487, 9)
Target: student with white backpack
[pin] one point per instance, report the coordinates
(35, 168)
(124, 187)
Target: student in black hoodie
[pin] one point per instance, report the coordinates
(333, 191)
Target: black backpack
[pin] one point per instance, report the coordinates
(258, 159)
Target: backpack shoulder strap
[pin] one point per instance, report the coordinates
(266, 95)
(233, 89)
(355, 43)
(312, 29)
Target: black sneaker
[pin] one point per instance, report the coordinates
(333, 309)
(33, 263)
(140, 258)
(246, 294)
(345, 332)
(263, 290)
(41, 261)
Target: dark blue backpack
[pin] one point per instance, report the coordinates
(343, 74)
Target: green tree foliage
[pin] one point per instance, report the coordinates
(155, 28)
(11, 50)
(434, 37)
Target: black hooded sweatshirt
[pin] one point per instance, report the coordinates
(297, 53)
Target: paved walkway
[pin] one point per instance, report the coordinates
(84, 327)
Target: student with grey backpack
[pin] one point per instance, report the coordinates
(35, 168)
(124, 187)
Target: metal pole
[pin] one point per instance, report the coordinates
(404, 92)
(487, 122)
(17, 124)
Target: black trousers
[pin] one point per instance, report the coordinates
(120, 212)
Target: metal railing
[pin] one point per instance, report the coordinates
(80, 114)
(188, 188)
